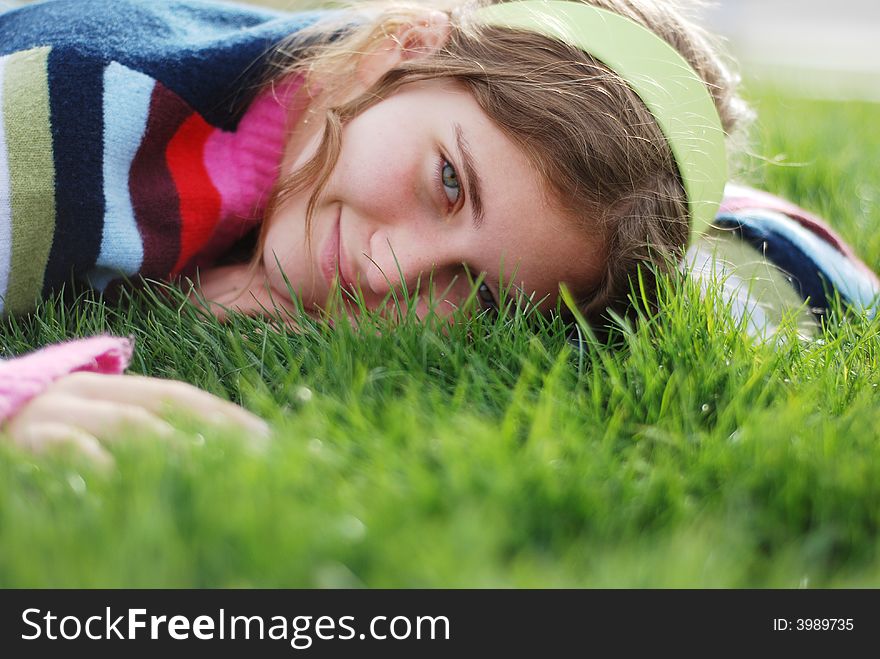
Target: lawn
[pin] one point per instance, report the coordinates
(496, 455)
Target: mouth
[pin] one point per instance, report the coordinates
(332, 263)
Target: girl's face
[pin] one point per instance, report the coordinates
(426, 183)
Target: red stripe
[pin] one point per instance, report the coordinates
(153, 193)
(199, 199)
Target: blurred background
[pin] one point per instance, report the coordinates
(816, 48)
(822, 48)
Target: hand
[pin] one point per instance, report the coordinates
(241, 288)
(88, 410)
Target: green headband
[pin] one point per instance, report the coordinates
(673, 92)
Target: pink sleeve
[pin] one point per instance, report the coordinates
(24, 377)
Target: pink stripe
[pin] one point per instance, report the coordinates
(243, 165)
(25, 377)
(740, 197)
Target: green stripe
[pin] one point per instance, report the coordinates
(31, 174)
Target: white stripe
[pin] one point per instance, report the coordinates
(5, 196)
(843, 274)
(126, 108)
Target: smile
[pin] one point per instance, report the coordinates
(331, 259)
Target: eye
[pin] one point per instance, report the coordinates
(484, 293)
(449, 181)
(487, 300)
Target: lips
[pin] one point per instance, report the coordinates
(331, 256)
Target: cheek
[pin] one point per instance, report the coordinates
(284, 239)
(379, 146)
(374, 180)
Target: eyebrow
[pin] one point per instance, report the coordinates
(472, 179)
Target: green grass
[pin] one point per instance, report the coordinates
(494, 455)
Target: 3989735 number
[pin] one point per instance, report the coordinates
(824, 624)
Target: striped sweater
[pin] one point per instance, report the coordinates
(130, 141)
(129, 145)
(767, 259)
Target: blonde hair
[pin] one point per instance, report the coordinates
(601, 154)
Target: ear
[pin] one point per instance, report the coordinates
(424, 37)
(417, 39)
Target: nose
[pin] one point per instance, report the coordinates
(415, 253)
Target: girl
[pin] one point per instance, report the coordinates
(396, 145)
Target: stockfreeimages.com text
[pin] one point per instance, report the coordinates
(300, 631)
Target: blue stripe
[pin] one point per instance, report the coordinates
(75, 85)
(810, 260)
(126, 107)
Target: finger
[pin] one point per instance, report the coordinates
(218, 310)
(209, 306)
(105, 419)
(157, 395)
(41, 438)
